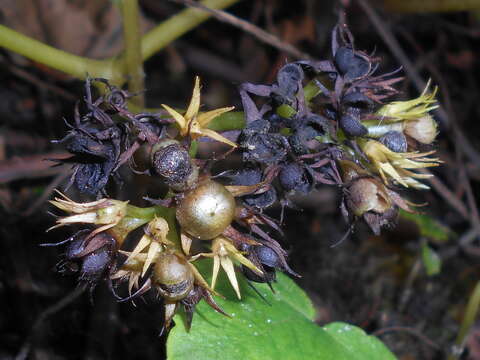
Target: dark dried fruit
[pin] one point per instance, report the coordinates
(294, 177)
(92, 257)
(96, 265)
(260, 146)
(94, 158)
(267, 256)
(289, 79)
(357, 100)
(306, 129)
(250, 176)
(395, 141)
(172, 162)
(264, 258)
(350, 64)
(351, 125)
(263, 200)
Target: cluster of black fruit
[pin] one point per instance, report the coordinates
(106, 137)
(300, 147)
(290, 143)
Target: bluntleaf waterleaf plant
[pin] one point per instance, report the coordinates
(320, 123)
(271, 325)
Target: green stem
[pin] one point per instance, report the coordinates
(232, 120)
(148, 213)
(193, 149)
(57, 59)
(133, 50)
(177, 25)
(110, 68)
(310, 91)
(468, 319)
(137, 216)
(377, 130)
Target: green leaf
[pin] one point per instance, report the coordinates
(357, 342)
(431, 260)
(429, 227)
(283, 329)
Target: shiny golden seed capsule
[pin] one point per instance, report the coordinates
(172, 277)
(206, 211)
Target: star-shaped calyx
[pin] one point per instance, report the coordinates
(193, 123)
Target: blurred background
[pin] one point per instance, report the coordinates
(409, 286)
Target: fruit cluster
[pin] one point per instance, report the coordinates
(320, 123)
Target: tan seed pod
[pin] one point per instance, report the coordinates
(206, 211)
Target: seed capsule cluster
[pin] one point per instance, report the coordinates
(320, 123)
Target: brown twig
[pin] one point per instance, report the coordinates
(450, 197)
(22, 74)
(59, 305)
(459, 139)
(394, 46)
(33, 166)
(254, 30)
(47, 192)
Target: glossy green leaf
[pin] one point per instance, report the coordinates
(429, 227)
(283, 329)
(431, 260)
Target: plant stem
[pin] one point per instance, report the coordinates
(110, 68)
(232, 120)
(177, 25)
(137, 216)
(133, 50)
(57, 59)
(468, 319)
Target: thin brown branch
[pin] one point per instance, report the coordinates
(450, 197)
(394, 46)
(253, 30)
(51, 310)
(57, 180)
(22, 74)
(33, 166)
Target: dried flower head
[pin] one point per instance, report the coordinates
(397, 166)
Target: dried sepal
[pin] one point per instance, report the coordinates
(397, 166)
(131, 270)
(410, 109)
(223, 254)
(152, 243)
(105, 212)
(186, 242)
(193, 123)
